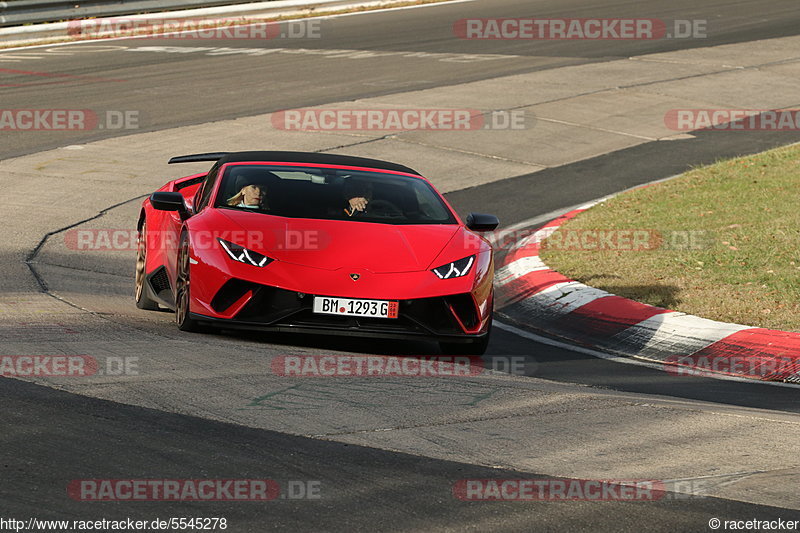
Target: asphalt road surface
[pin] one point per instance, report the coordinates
(192, 85)
(51, 437)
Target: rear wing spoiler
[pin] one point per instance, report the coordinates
(198, 158)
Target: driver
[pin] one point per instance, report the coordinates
(358, 194)
(251, 197)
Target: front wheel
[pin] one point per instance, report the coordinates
(183, 289)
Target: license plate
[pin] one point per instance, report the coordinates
(348, 307)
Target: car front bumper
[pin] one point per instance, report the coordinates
(245, 305)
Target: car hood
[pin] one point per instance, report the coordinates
(336, 244)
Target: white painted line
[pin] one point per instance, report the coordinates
(579, 349)
(624, 360)
(541, 219)
(595, 128)
(593, 203)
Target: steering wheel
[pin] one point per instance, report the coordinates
(385, 208)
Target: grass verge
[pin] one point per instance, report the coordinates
(721, 242)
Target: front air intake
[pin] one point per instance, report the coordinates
(230, 293)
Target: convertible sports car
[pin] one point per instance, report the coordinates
(315, 243)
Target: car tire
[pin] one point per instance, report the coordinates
(474, 347)
(143, 301)
(183, 289)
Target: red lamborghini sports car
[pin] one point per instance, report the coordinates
(315, 243)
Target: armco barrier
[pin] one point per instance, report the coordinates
(60, 31)
(19, 12)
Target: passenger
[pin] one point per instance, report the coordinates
(251, 197)
(358, 194)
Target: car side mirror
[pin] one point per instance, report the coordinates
(169, 201)
(482, 222)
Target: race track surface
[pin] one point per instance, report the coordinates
(386, 452)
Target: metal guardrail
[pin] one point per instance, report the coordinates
(65, 30)
(20, 12)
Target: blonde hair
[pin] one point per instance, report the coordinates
(239, 196)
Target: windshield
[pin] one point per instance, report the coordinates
(332, 194)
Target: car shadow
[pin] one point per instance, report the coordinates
(665, 296)
(335, 343)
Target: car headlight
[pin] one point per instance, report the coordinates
(456, 269)
(243, 255)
